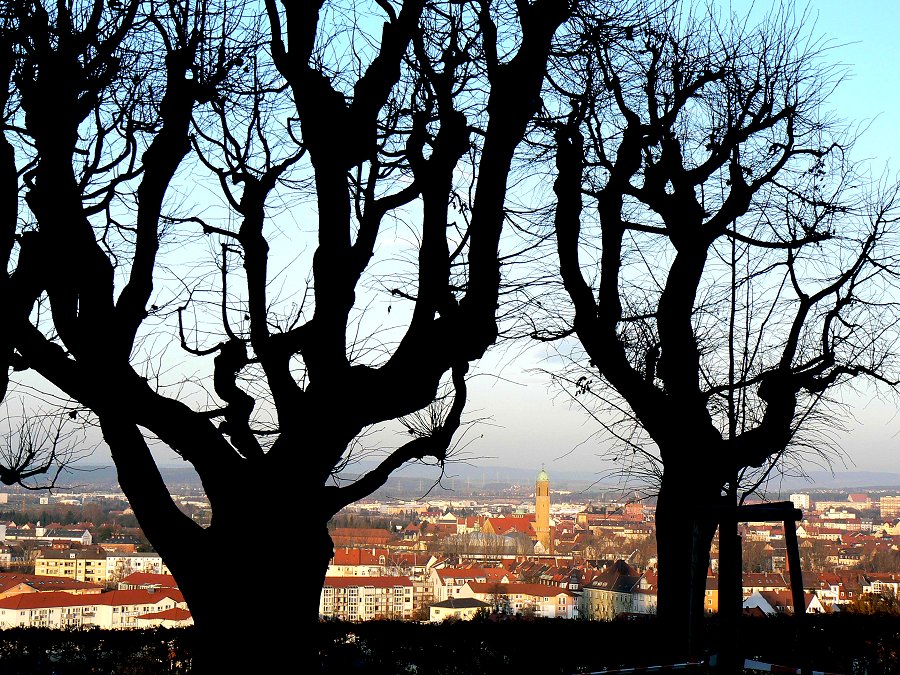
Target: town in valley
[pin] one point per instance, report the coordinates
(76, 557)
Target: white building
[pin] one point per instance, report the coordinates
(365, 598)
(781, 602)
(120, 565)
(800, 501)
(112, 610)
(539, 600)
(456, 608)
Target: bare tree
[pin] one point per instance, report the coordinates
(385, 126)
(36, 447)
(725, 266)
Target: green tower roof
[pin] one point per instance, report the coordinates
(542, 476)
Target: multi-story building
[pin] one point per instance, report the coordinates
(537, 599)
(120, 564)
(359, 562)
(890, 507)
(112, 610)
(611, 593)
(447, 582)
(46, 535)
(365, 598)
(14, 583)
(96, 565)
(88, 564)
(800, 501)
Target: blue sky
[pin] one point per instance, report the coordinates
(864, 38)
(526, 427)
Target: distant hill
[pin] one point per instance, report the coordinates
(506, 474)
(465, 475)
(846, 479)
(105, 476)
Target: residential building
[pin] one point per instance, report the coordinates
(711, 595)
(46, 535)
(362, 599)
(781, 602)
(890, 507)
(350, 536)
(147, 581)
(17, 584)
(176, 617)
(358, 562)
(111, 610)
(611, 593)
(448, 582)
(800, 501)
(120, 564)
(762, 581)
(456, 608)
(538, 600)
(87, 564)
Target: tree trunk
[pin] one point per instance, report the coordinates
(684, 533)
(257, 616)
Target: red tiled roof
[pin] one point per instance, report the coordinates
(358, 556)
(137, 596)
(111, 598)
(505, 525)
(148, 578)
(42, 583)
(50, 599)
(173, 614)
(457, 573)
(763, 580)
(377, 582)
(783, 600)
(350, 535)
(538, 590)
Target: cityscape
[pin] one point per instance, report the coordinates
(78, 558)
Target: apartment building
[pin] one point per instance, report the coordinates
(88, 564)
(890, 507)
(95, 565)
(120, 564)
(519, 598)
(361, 598)
(111, 610)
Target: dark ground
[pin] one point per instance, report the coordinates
(844, 644)
(847, 644)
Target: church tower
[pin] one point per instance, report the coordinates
(542, 509)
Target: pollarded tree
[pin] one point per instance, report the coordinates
(723, 269)
(383, 116)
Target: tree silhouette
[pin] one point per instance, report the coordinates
(725, 265)
(158, 159)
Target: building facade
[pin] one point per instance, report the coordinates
(80, 565)
(363, 599)
(112, 610)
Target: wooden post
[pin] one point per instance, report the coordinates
(730, 605)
